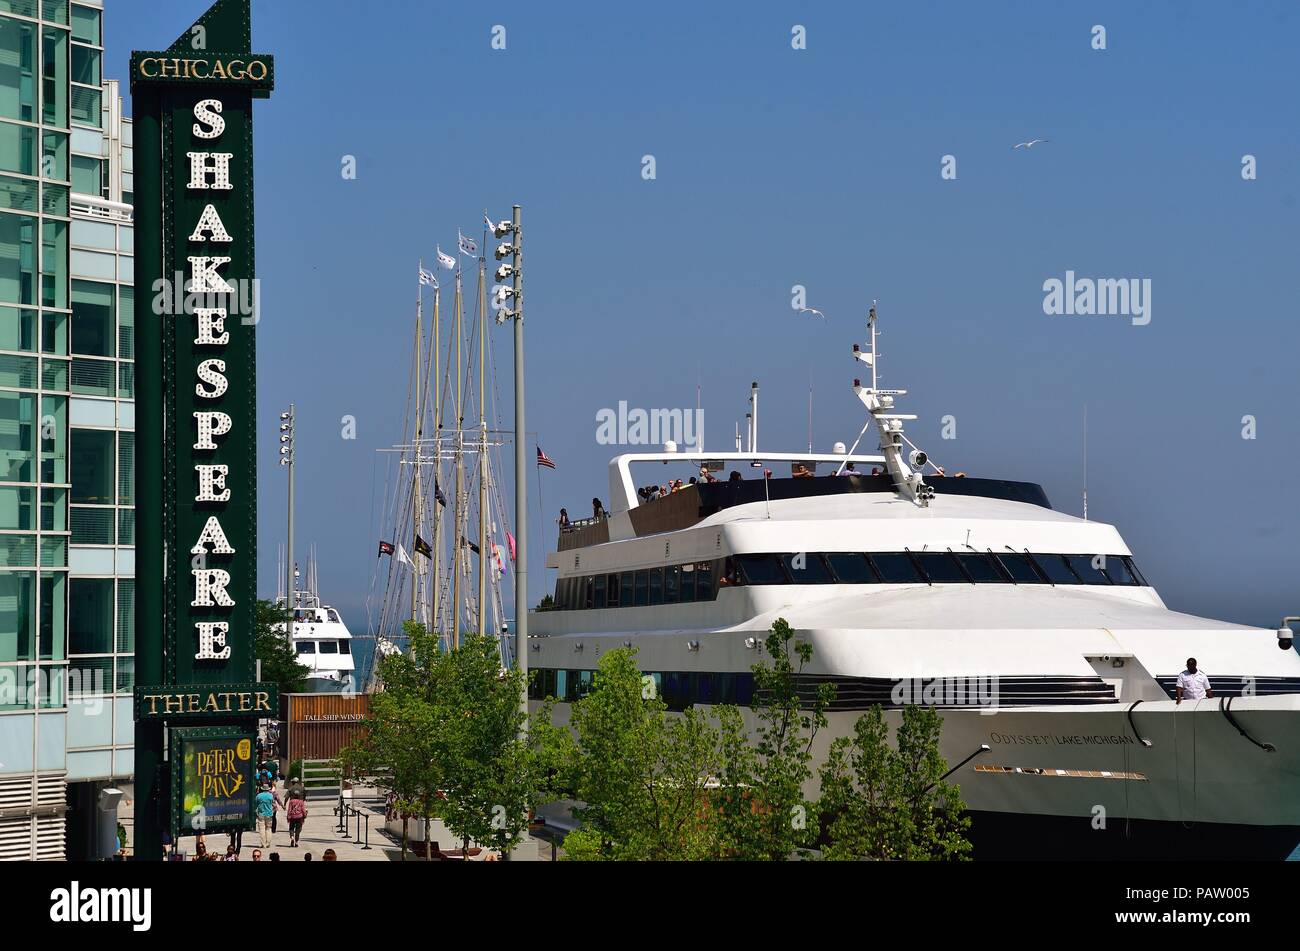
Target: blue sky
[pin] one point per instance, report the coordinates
(818, 167)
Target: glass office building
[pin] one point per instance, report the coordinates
(66, 429)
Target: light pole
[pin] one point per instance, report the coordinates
(286, 459)
(514, 250)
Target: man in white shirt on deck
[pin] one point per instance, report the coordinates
(1192, 683)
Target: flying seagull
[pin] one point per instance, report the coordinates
(812, 310)
(1030, 144)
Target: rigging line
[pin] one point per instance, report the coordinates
(374, 569)
(385, 612)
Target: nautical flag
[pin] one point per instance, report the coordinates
(426, 277)
(467, 245)
(496, 556)
(385, 548)
(543, 459)
(446, 260)
(402, 557)
(422, 547)
(510, 540)
(466, 543)
(488, 222)
(437, 494)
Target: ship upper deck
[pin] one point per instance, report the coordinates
(693, 503)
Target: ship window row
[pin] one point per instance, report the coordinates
(326, 647)
(678, 689)
(701, 581)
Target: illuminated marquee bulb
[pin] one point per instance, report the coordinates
(219, 169)
(213, 534)
(210, 588)
(210, 221)
(206, 280)
(212, 634)
(212, 478)
(211, 424)
(210, 372)
(209, 111)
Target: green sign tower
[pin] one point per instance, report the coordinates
(196, 312)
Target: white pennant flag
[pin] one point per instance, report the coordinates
(467, 245)
(446, 260)
(426, 277)
(402, 557)
(491, 226)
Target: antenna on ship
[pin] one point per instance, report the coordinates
(810, 398)
(1085, 462)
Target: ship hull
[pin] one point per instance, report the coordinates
(1081, 782)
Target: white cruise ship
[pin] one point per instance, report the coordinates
(1052, 657)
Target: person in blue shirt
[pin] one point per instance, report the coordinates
(265, 803)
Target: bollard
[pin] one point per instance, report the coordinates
(344, 826)
(367, 845)
(357, 812)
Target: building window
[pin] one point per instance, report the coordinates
(85, 103)
(86, 25)
(54, 152)
(17, 617)
(93, 469)
(56, 11)
(17, 70)
(54, 77)
(54, 609)
(17, 513)
(17, 254)
(91, 624)
(17, 329)
(94, 329)
(54, 270)
(88, 176)
(17, 436)
(85, 65)
(18, 194)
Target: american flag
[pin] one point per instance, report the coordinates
(543, 459)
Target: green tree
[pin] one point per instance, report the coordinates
(762, 809)
(485, 763)
(886, 802)
(641, 774)
(280, 664)
(397, 746)
(444, 735)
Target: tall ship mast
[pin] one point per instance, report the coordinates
(428, 570)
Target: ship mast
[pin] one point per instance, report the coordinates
(482, 446)
(437, 457)
(416, 500)
(458, 533)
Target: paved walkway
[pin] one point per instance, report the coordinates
(321, 831)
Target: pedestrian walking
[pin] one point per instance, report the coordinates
(266, 805)
(296, 813)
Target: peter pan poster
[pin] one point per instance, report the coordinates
(216, 782)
